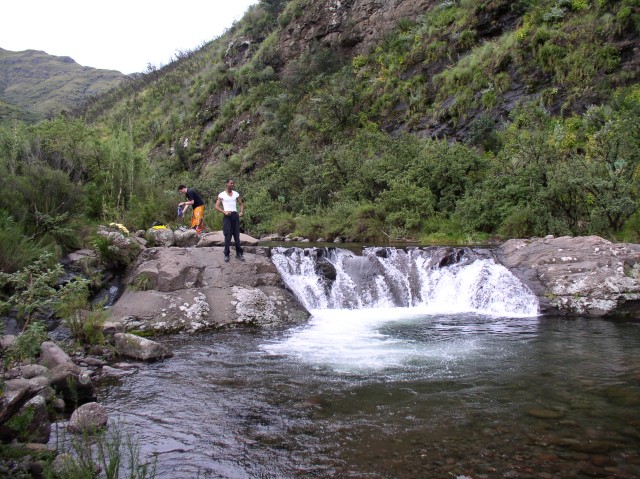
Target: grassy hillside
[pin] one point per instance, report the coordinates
(42, 84)
(467, 121)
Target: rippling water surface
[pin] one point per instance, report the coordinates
(392, 394)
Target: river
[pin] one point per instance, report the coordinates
(487, 390)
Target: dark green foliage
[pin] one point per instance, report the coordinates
(476, 118)
(84, 321)
(32, 288)
(112, 256)
(16, 249)
(27, 344)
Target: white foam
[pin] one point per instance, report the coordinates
(350, 340)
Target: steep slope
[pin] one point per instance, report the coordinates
(44, 84)
(406, 117)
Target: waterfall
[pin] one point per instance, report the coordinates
(435, 280)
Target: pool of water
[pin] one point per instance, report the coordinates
(393, 393)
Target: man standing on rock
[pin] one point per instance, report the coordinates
(193, 199)
(227, 204)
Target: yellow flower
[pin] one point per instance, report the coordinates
(121, 227)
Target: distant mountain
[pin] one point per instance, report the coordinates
(34, 84)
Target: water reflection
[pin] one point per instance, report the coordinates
(464, 395)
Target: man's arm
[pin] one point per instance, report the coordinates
(241, 204)
(218, 202)
(185, 205)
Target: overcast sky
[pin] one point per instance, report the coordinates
(123, 35)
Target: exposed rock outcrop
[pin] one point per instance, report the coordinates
(352, 25)
(192, 289)
(587, 276)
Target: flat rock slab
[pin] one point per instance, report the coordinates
(216, 238)
(171, 289)
(587, 276)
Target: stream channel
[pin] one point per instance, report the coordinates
(403, 371)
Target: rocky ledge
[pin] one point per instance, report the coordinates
(177, 289)
(587, 276)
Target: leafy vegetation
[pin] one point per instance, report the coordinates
(110, 454)
(476, 120)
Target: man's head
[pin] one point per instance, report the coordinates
(182, 189)
(230, 184)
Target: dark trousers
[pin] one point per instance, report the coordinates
(231, 227)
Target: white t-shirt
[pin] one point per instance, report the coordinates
(229, 203)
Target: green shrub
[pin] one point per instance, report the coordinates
(519, 224)
(284, 224)
(84, 321)
(27, 345)
(20, 423)
(16, 250)
(366, 223)
(114, 257)
(32, 288)
(110, 454)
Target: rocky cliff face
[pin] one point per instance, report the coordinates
(352, 26)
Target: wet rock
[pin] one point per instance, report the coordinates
(191, 289)
(622, 396)
(88, 418)
(586, 276)
(17, 393)
(52, 355)
(271, 238)
(31, 423)
(326, 269)
(95, 362)
(108, 371)
(136, 347)
(74, 386)
(265, 307)
(452, 256)
(78, 260)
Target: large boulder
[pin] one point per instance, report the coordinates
(120, 249)
(136, 347)
(29, 424)
(17, 392)
(186, 237)
(586, 276)
(192, 289)
(160, 237)
(52, 355)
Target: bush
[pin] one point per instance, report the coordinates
(32, 288)
(114, 257)
(113, 453)
(27, 344)
(16, 250)
(284, 224)
(84, 322)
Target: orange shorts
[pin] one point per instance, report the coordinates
(197, 219)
